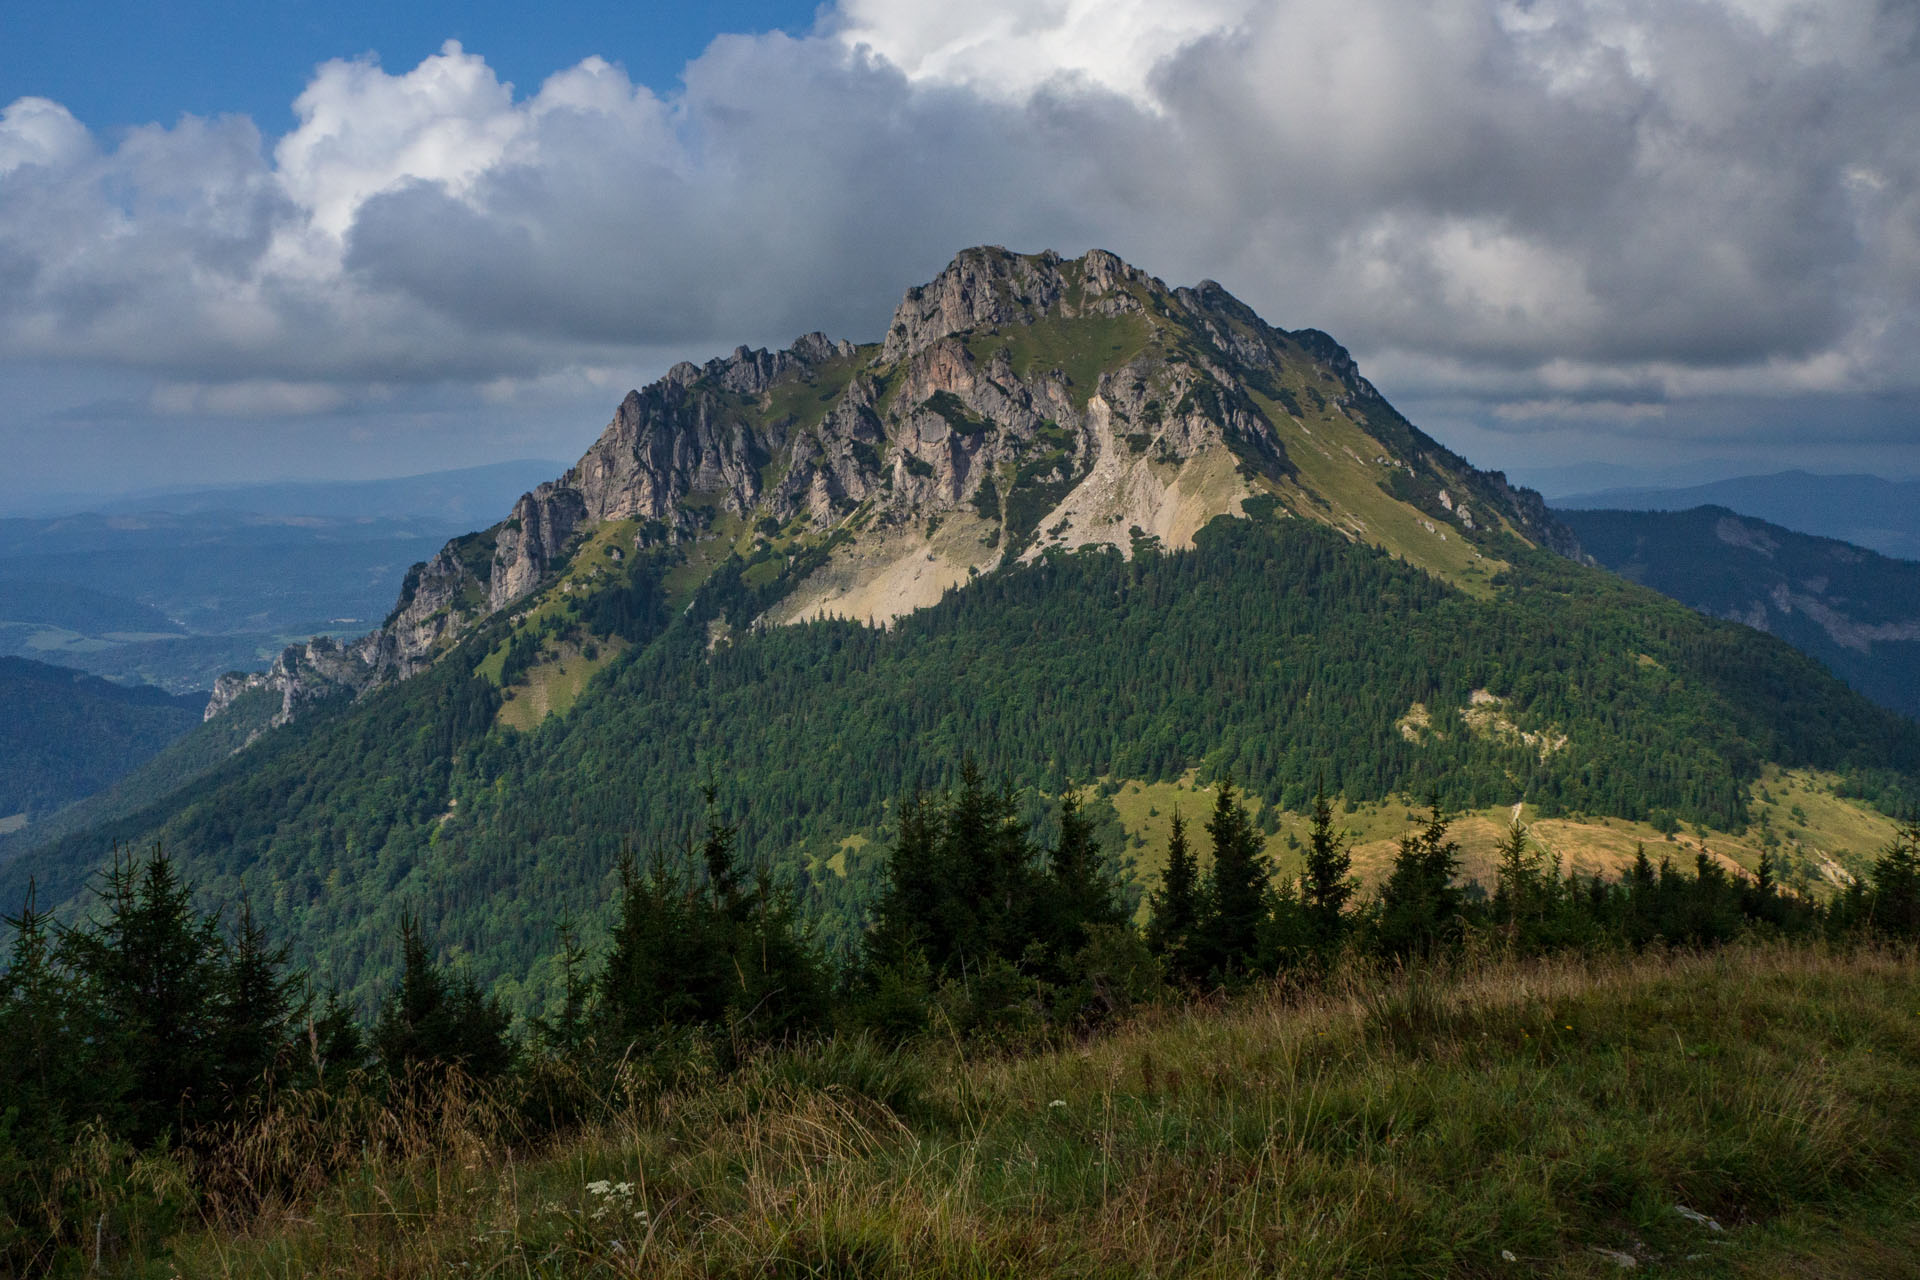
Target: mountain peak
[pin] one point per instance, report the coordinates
(1019, 404)
(989, 287)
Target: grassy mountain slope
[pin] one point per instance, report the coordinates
(1818, 835)
(1855, 610)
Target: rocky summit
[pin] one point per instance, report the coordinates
(1018, 403)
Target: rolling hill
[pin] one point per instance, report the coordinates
(1868, 511)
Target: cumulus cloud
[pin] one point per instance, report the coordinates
(1569, 208)
(1009, 49)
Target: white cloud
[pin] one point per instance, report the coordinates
(1009, 49)
(38, 132)
(363, 131)
(1557, 203)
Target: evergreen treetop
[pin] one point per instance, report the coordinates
(1239, 886)
(1326, 885)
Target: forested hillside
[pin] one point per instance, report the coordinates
(1855, 610)
(65, 734)
(1275, 651)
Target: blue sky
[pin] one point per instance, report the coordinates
(125, 64)
(1583, 241)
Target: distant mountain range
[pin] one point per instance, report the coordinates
(463, 496)
(1854, 609)
(178, 588)
(176, 600)
(1867, 511)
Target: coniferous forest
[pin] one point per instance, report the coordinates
(150, 1026)
(1276, 653)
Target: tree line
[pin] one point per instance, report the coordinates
(151, 1021)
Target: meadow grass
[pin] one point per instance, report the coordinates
(1497, 1118)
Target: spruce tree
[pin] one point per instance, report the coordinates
(1078, 890)
(990, 899)
(432, 1021)
(662, 967)
(1520, 879)
(258, 1007)
(1760, 902)
(332, 1043)
(962, 886)
(1238, 887)
(566, 1030)
(1419, 904)
(51, 1041)
(710, 955)
(1327, 885)
(1643, 899)
(153, 967)
(1174, 910)
(904, 917)
(781, 983)
(718, 857)
(1895, 898)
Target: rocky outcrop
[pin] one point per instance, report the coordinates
(532, 539)
(302, 675)
(682, 437)
(982, 288)
(990, 288)
(437, 601)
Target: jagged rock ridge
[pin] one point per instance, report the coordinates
(1017, 403)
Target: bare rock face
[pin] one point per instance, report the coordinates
(439, 599)
(982, 289)
(302, 675)
(533, 537)
(679, 438)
